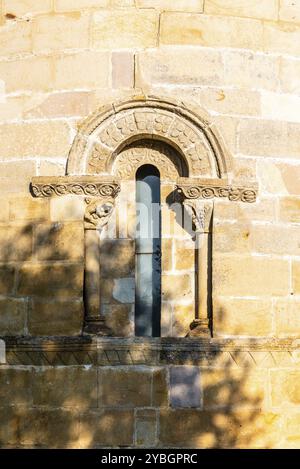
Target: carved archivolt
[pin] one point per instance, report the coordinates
(103, 135)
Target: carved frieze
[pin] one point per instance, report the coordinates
(66, 185)
(209, 189)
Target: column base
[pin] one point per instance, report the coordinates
(96, 326)
(199, 328)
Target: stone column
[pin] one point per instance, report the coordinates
(96, 217)
(201, 213)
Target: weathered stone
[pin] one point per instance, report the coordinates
(15, 386)
(176, 5)
(160, 388)
(52, 168)
(296, 276)
(234, 387)
(69, 72)
(185, 253)
(281, 107)
(15, 38)
(289, 209)
(36, 138)
(59, 241)
(170, 67)
(167, 254)
(13, 316)
(27, 7)
(185, 387)
(289, 75)
(174, 285)
(124, 290)
(269, 138)
(276, 239)
(242, 317)
(55, 318)
(28, 73)
(289, 11)
(287, 318)
(263, 210)
(7, 276)
(16, 242)
(278, 178)
(116, 29)
(264, 9)
(285, 388)
(74, 387)
(117, 258)
(48, 280)
(67, 208)
(57, 32)
(109, 428)
(68, 104)
(23, 172)
(281, 37)
(183, 317)
(119, 319)
(128, 387)
(146, 428)
(27, 208)
(68, 5)
(253, 278)
(122, 70)
(51, 428)
(192, 29)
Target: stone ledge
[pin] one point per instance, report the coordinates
(49, 186)
(53, 351)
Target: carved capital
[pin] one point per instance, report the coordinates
(200, 212)
(98, 212)
(75, 185)
(211, 188)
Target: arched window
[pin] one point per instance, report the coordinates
(148, 252)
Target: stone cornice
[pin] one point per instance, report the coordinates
(91, 186)
(265, 353)
(210, 188)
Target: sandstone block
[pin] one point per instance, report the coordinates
(161, 67)
(119, 318)
(185, 255)
(89, 69)
(242, 317)
(66, 104)
(51, 280)
(15, 386)
(279, 178)
(167, 254)
(56, 32)
(55, 318)
(146, 428)
(185, 386)
(52, 168)
(183, 316)
(116, 29)
(16, 242)
(282, 38)
(233, 237)
(7, 275)
(170, 5)
(30, 73)
(289, 209)
(264, 209)
(276, 239)
(253, 278)
(239, 387)
(228, 100)
(27, 7)
(74, 387)
(128, 387)
(13, 316)
(68, 5)
(51, 428)
(59, 241)
(22, 171)
(27, 208)
(67, 208)
(192, 29)
(285, 387)
(248, 70)
(36, 138)
(109, 428)
(269, 138)
(289, 10)
(122, 70)
(264, 9)
(117, 258)
(296, 276)
(281, 107)
(287, 317)
(174, 285)
(15, 37)
(289, 75)
(160, 388)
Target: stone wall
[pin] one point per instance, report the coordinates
(59, 61)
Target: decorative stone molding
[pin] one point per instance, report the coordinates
(200, 212)
(210, 188)
(235, 353)
(98, 212)
(188, 129)
(92, 186)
